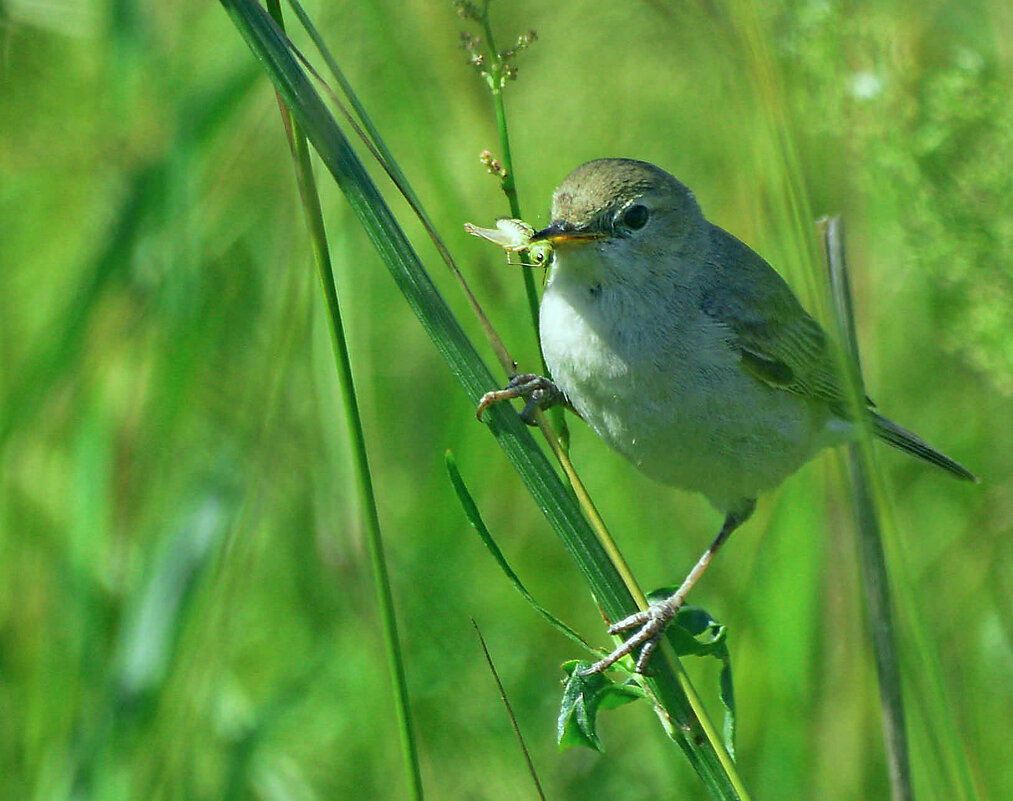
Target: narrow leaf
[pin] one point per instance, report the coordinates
(475, 518)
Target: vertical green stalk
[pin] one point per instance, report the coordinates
(357, 442)
(870, 539)
(496, 79)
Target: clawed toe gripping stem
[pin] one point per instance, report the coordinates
(658, 616)
(652, 623)
(540, 392)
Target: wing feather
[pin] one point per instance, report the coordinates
(778, 342)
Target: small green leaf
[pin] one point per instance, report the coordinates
(475, 518)
(583, 696)
(708, 635)
(710, 639)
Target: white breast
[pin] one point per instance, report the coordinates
(656, 379)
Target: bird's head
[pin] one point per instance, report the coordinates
(623, 210)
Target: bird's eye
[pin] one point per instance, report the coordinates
(635, 217)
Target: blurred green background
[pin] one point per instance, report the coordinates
(185, 605)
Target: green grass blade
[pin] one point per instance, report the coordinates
(474, 516)
(420, 292)
(948, 750)
(368, 133)
(875, 580)
(357, 440)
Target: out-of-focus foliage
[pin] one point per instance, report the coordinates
(185, 610)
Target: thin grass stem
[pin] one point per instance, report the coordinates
(510, 712)
(948, 751)
(509, 181)
(558, 443)
(357, 441)
(875, 580)
(496, 79)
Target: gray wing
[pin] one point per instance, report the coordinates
(782, 346)
(777, 341)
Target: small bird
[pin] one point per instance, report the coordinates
(686, 352)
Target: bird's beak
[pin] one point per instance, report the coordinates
(560, 231)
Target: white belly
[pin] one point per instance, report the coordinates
(669, 393)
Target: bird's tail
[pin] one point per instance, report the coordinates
(904, 440)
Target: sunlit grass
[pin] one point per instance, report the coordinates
(166, 386)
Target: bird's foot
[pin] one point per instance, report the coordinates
(540, 392)
(652, 623)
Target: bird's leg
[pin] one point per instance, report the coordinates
(653, 621)
(540, 392)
